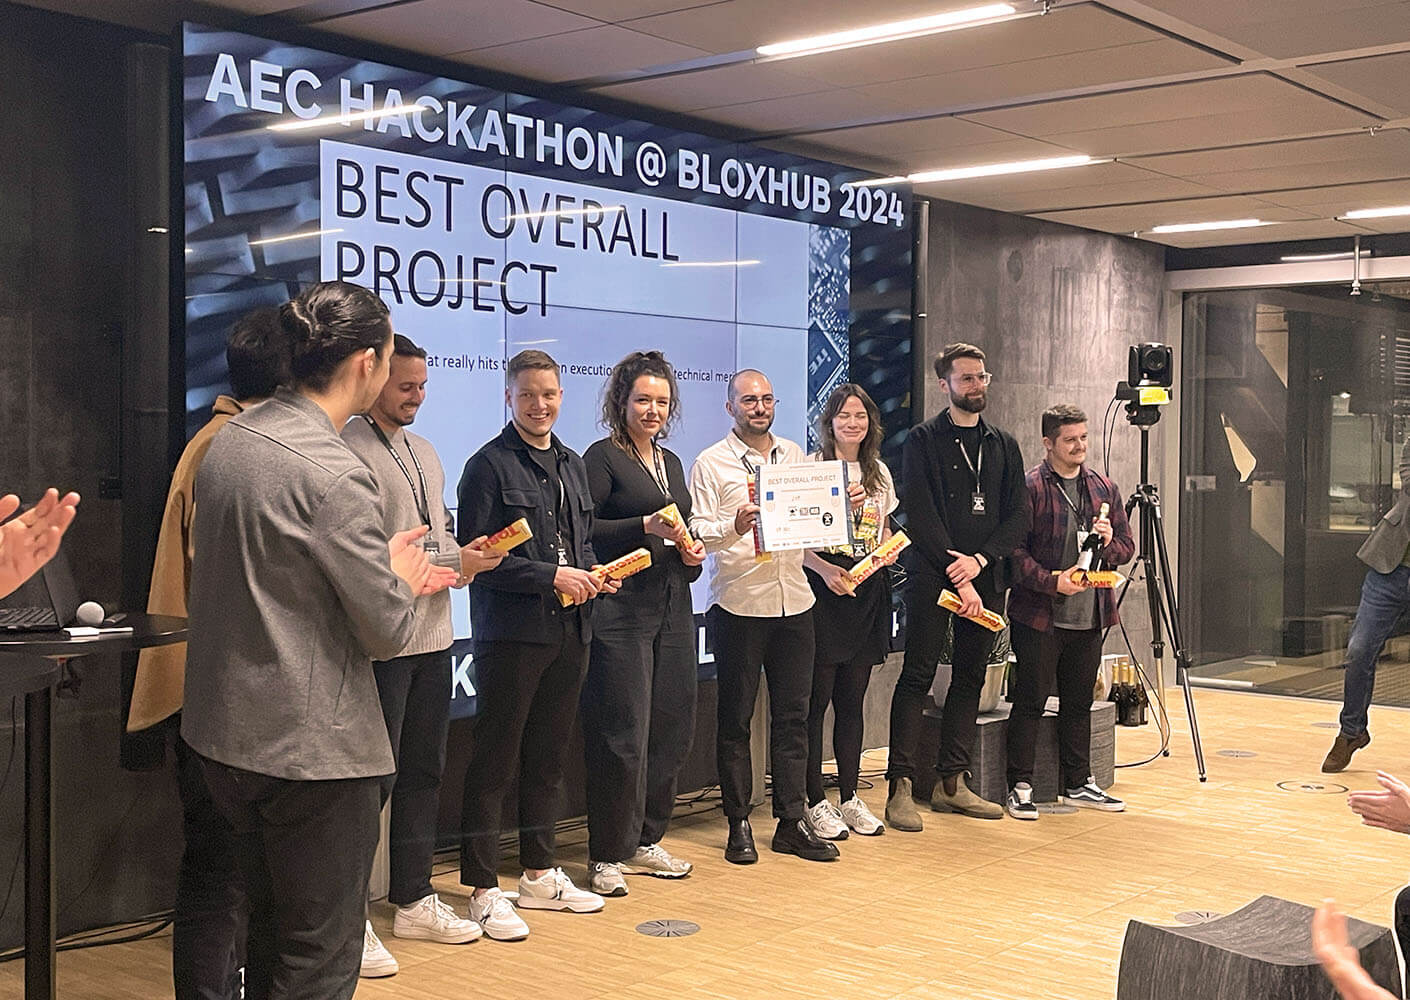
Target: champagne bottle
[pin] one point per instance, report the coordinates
(1089, 558)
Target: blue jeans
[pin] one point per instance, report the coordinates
(1384, 597)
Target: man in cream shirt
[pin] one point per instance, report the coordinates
(760, 615)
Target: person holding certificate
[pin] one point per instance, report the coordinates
(638, 702)
(851, 622)
(760, 616)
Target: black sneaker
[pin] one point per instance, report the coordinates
(1089, 796)
(1019, 803)
(794, 837)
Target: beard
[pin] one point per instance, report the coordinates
(971, 404)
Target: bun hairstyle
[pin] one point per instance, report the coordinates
(328, 323)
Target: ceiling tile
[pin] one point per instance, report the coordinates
(714, 88)
(1102, 184)
(1333, 201)
(921, 134)
(624, 10)
(1381, 78)
(737, 25)
(1319, 229)
(1143, 216)
(1386, 146)
(577, 54)
(806, 112)
(1286, 28)
(440, 27)
(1140, 61)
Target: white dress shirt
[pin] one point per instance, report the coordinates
(738, 583)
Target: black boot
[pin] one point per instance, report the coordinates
(739, 849)
(794, 837)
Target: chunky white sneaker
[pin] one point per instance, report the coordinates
(377, 961)
(860, 819)
(428, 919)
(556, 891)
(605, 878)
(1090, 796)
(825, 821)
(1019, 803)
(493, 911)
(653, 859)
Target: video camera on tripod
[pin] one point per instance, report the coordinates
(1151, 372)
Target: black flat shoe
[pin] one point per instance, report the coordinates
(794, 837)
(739, 849)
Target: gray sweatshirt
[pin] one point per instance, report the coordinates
(292, 597)
(402, 510)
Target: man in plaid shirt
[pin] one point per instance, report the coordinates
(1057, 624)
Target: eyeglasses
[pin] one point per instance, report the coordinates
(983, 378)
(749, 402)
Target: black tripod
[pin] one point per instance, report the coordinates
(1160, 582)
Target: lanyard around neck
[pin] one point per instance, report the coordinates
(423, 503)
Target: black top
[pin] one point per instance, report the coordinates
(623, 492)
(502, 482)
(937, 495)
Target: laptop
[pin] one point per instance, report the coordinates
(46, 602)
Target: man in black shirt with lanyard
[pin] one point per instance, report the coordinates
(963, 494)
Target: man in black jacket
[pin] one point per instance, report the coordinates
(530, 651)
(963, 494)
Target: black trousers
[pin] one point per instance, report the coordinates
(1071, 656)
(925, 633)
(208, 928)
(1402, 922)
(783, 647)
(527, 697)
(844, 687)
(638, 712)
(415, 694)
(305, 850)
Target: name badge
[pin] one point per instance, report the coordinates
(431, 546)
(562, 556)
(976, 503)
(1081, 538)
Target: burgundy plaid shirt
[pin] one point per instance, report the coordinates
(1031, 600)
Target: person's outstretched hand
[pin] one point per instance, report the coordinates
(1388, 809)
(1339, 960)
(29, 541)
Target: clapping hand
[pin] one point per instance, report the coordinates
(1339, 959)
(1387, 809)
(29, 541)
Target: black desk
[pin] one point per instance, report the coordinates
(32, 664)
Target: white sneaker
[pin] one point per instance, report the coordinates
(428, 919)
(653, 859)
(556, 891)
(857, 816)
(825, 821)
(377, 961)
(1019, 802)
(493, 911)
(605, 878)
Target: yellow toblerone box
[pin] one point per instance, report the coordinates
(876, 558)
(991, 620)
(618, 569)
(1096, 579)
(506, 538)
(671, 514)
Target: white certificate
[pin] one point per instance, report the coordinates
(804, 506)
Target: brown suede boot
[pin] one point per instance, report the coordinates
(963, 801)
(901, 811)
(1339, 756)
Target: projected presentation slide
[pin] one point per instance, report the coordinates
(491, 222)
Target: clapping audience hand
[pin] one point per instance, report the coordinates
(1388, 809)
(1339, 959)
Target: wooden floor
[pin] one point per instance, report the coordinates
(966, 909)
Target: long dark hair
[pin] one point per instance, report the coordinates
(618, 392)
(869, 451)
(327, 323)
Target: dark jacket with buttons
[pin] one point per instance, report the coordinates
(501, 483)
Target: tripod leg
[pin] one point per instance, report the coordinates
(1166, 597)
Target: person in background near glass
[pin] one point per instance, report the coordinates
(638, 703)
(851, 624)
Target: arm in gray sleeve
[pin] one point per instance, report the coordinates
(349, 544)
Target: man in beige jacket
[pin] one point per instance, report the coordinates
(208, 934)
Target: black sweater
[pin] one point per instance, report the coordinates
(622, 494)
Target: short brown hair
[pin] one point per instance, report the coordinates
(1057, 417)
(945, 360)
(527, 361)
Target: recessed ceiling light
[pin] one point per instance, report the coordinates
(1297, 258)
(1200, 227)
(998, 169)
(889, 32)
(1377, 213)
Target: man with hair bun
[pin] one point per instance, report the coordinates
(295, 589)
